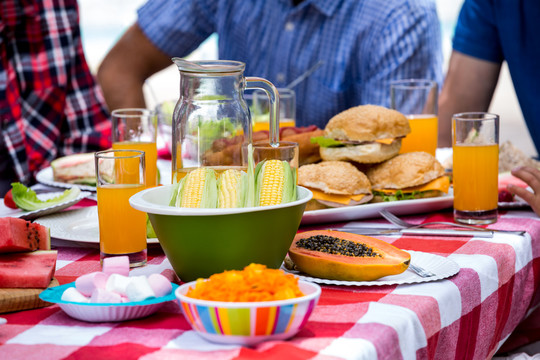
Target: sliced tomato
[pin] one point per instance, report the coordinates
(8, 200)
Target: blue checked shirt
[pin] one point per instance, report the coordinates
(364, 44)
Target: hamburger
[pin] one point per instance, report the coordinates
(334, 184)
(411, 175)
(365, 134)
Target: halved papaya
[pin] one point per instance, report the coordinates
(341, 255)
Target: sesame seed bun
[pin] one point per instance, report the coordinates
(405, 170)
(334, 178)
(365, 123)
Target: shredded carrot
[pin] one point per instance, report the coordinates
(254, 283)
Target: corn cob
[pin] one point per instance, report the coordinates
(198, 189)
(275, 183)
(232, 189)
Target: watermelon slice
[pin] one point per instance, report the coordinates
(18, 235)
(33, 269)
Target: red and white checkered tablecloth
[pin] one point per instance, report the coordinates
(468, 316)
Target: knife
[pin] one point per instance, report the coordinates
(416, 231)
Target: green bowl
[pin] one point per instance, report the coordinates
(202, 242)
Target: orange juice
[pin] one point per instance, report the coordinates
(150, 154)
(265, 125)
(122, 229)
(423, 135)
(475, 177)
(126, 170)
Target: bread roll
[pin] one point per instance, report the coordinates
(405, 170)
(359, 128)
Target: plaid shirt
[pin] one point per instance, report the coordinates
(364, 44)
(50, 105)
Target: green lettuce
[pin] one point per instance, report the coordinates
(398, 195)
(27, 199)
(325, 142)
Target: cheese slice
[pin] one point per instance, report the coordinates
(442, 184)
(340, 199)
(385, 141)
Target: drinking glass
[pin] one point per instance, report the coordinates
(136, 129)
(286, 151)
(122, 229)
(259, 107)
(475, 146)
(417, 100)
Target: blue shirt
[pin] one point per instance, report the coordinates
(364, 44)
(499, 30)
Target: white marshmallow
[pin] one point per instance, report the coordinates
(117, 283)
(72, 294)
(139, 289)
(87, 283)
(116, 265)
(104, 296)
(159, 284)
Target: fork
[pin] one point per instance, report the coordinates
(400, 222)
(420, 270)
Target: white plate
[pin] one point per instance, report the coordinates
(45, 177)
(93, 312)
(366, 211)
(31, 215)
(442, 268)
(80, 225)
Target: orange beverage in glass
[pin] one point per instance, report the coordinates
(475, 139)
(122, 229)
(150, 151)
(475, 177)
(136, 129)
(260, 107)
(417, 99)
(265, 125)
(423, 135)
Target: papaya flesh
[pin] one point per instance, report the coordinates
(341, 255)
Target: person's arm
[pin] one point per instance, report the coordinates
(126, 67)
(531, 176)
(469, 86)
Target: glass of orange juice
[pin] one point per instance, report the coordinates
(136, 129)
(475, 146)
(417, 99)
(259, 107)
(122, 229)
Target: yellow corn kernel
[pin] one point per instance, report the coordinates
(193, 188)
(228, 193)
(272, 184)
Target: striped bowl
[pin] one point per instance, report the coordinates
(248, 323)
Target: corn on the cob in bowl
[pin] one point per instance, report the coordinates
(273, 182)
(200, 242)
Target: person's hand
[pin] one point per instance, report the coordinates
(531, 176)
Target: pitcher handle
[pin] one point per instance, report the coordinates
(273, 94)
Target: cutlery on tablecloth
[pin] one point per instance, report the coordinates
(404, 224)
(416, 231)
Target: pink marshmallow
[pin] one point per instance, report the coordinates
(159, 284)
(116, 265)
(87, 283)
(104, 296)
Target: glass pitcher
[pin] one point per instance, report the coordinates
(211, 120)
